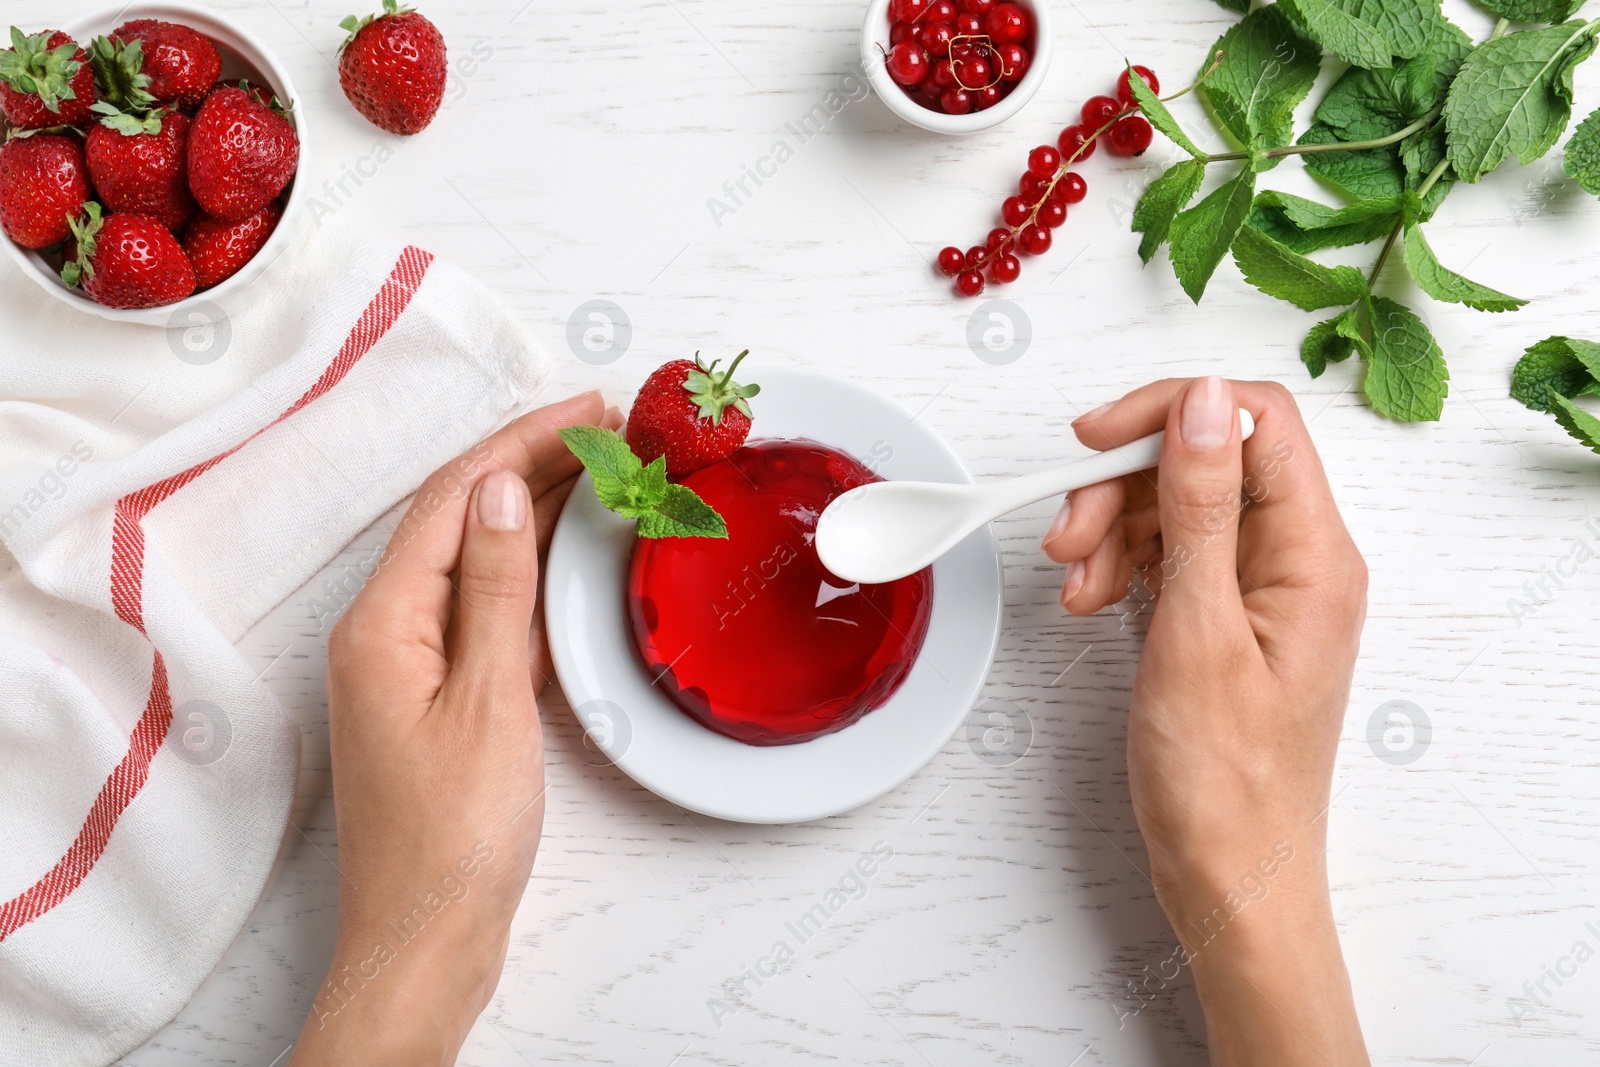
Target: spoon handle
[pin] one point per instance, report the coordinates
(1011, 494)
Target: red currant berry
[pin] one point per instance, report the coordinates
(1097, 111)
(1125, 94)
(907, 10)
(1034, 240)
(972, 72)
(944, 75)
(969, 283)
(1052, 213)
(975, 7)
(935, 37)
(1008, 24)
(1043, 161)
(987, 97)
(1031, 188)
(975, 256)
(907, 63)
(941, 11)
(1013, 61)
(901, 31)
(969, 25)
(998, 237)
(1015, 211)
(956, 101)
(1005, 268)
(951, 261)
(1131, 136)
(1074, 143)
(1070, 189)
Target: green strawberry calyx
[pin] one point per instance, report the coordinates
(634, 490)
(713, 394)
(30, 65)
(353, 24)
(86, 231)
(119, 75)
(129, 124)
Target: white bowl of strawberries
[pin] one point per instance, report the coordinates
(150, 160)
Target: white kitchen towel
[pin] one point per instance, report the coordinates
(160, 490)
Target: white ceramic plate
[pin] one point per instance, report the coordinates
(661, 748)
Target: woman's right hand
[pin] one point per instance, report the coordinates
(1239, 698)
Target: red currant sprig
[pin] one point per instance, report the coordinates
(1049, 186)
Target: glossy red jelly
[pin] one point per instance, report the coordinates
(751, 636)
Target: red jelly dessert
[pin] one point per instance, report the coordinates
(751, 635)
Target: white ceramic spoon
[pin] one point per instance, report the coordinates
(887, 530)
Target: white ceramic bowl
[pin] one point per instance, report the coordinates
(875, 41)
(243, 56)
(644, 733)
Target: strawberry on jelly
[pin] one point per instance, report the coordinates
(752, 636)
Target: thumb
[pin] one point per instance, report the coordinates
(498, 575)
(1199, 500)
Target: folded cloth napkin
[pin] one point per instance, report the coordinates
(160, 490)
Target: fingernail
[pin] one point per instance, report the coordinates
(1095, 414)
(1206, 421)
(502, 502)
(1058, 525)
(1073, 582)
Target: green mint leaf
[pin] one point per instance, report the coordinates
(1166, 196)
(1267, 68)
(1326, 343)
(1566, 365)
(682, 514)
(1514, 96)
(1337, 28)
(1576, 421)
(1582, 162)
(1202, 235)
(622, 483)
(1287, 275)
(1532, 10)
(1368, 104)
(1442, 283)
(1376, 174)
(1406, 376)
(1303, 225)
(1241, 6)
(1154, 110)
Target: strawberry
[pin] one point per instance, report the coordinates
(242, 152)
(218, 249)
(43, 183)
(392, 68)
(45, 80)
(689, 413)
(127, 261)
(140, 166)
(182, 63)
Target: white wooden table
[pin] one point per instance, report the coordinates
(574, 162)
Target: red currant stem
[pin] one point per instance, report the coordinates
(1061, 172)
(1336, 146)
(988, 46)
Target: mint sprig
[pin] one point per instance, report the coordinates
(1421, 108)
(635, 490)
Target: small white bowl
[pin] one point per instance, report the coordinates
(243, 56)
(875, 42)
